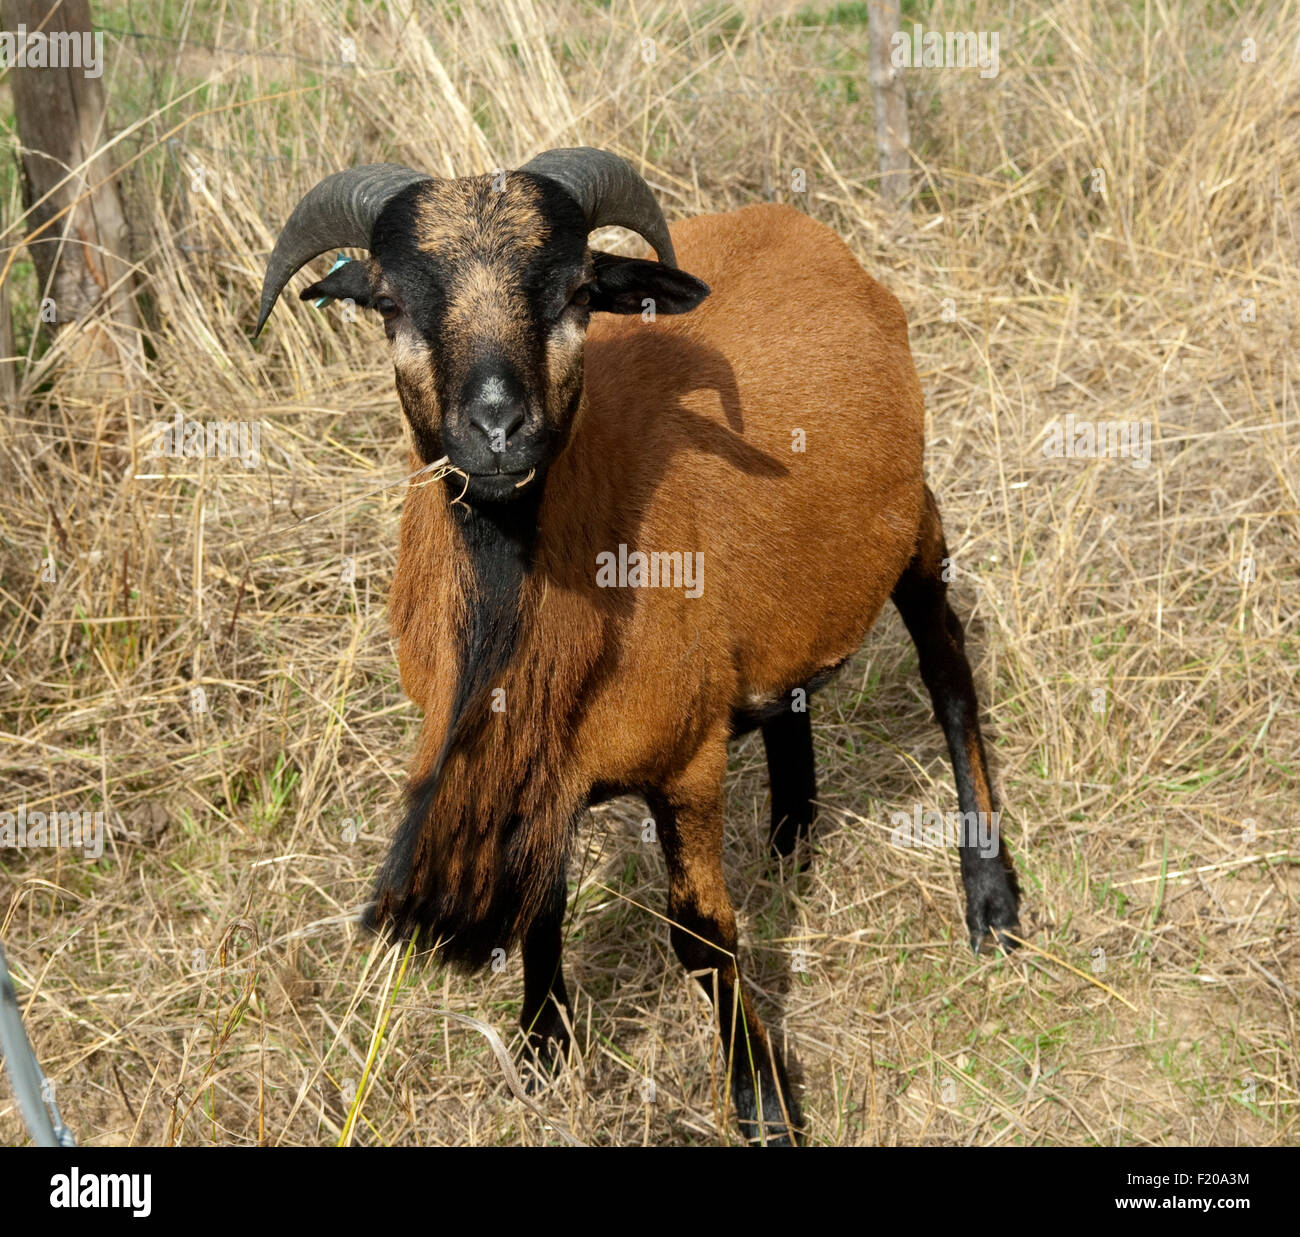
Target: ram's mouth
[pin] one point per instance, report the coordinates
(501, 486)
(521, 475)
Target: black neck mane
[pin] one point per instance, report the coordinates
(499, 540)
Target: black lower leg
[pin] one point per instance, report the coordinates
(787, 740)
(766, 1109)
(992, 895)
(546, 1001)
(703, 931)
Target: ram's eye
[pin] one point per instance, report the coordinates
(581, 297)
(387, 307)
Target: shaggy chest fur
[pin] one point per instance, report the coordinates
(494, 798)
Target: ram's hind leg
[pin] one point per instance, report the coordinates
(689, 818)
(992, 896)
(787, 740)
(546, 1001)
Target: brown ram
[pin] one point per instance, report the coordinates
(747, 438)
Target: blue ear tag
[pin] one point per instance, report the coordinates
(338, 261)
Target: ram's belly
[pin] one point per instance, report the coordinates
(807, 610)
(798, 550)
(772, 605)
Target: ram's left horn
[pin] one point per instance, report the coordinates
(339, 213)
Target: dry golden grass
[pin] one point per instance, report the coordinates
(203, 982)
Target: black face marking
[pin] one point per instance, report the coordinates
(482, 274)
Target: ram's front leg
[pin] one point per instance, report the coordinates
(546, 1015)
(688, 814)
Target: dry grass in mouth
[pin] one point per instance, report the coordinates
(1133, 629)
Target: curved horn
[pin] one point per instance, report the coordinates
(338, 213)
(609, 191)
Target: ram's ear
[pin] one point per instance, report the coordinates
(625, 285)
(352, 281)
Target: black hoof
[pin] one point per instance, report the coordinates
(993, 905)
(541, 1061)
(791, 835)
(545, 1051)
(778, 1127)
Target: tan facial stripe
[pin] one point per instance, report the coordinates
(414, 365)
(482, 298)
(456, 218)
(485, 234)
(563, 368)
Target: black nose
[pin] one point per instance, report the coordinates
(497, 421)
(496, 407)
